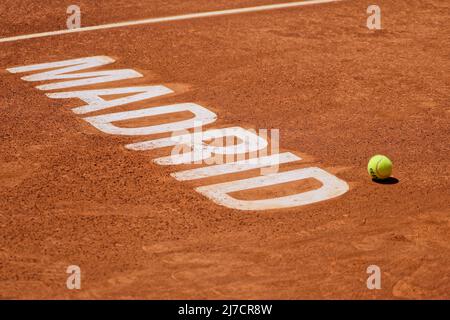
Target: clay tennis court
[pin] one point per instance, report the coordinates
(337, 92)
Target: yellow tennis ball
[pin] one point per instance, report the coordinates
(379, 167)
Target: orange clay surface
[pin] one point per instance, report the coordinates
(338, 92)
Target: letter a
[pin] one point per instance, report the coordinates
(374, 20)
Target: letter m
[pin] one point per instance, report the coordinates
(66, 69)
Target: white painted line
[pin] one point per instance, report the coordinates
(167, 19)
(104, 122)
(331, 187)
(237, 166)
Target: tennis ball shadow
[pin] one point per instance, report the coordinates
(390, 180)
